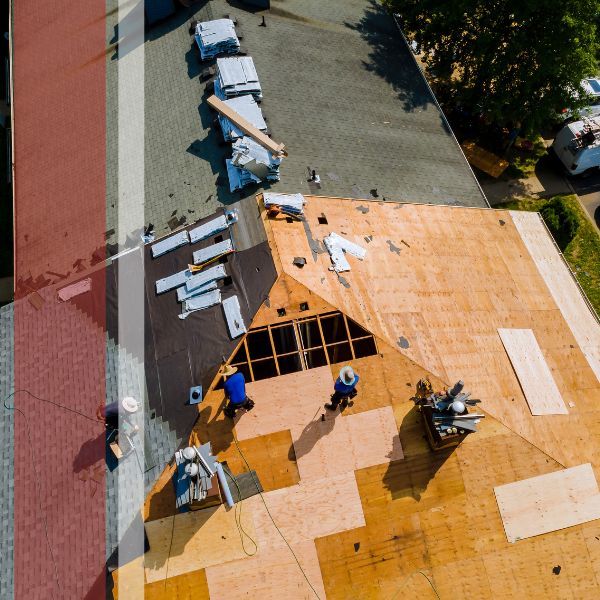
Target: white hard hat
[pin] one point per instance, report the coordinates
(188, 453)
(347, 375)
(458, 407)
(191, 469)
(130, 404)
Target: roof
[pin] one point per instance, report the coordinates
(349, 89)
(366, 516)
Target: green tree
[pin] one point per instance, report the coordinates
(513, 60)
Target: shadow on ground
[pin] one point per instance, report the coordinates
(390, 58)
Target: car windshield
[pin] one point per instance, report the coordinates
(595, 85)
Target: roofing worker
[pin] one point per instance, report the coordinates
(235, 391)
(344, 388)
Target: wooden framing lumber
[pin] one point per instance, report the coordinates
(264, 140)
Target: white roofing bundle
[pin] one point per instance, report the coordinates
(337, 246)
(239, 178)
(216, 37)
(247, 108)
(200, 303)
(251, 156)
(237, 76)
(292, 202)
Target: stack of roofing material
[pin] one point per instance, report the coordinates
(252, 157)
(200, 303)
(216, 37)
(237, 76)
(196, 466)
(246, 107)
(239, 178)
(292, 203)
(233, 316)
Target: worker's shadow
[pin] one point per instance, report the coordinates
(410, 477)
(311, 434)
(91, 452)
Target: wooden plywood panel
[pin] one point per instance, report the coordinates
(338, 444)
(190, 586)
(548, 502)
(192, 541)
(561, 285)
(271, 574)
(284, 402)
(543, 397)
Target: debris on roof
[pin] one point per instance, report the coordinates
(237, 76)
(247, 107)
(216, 37)
(337, 246)
(233, 316)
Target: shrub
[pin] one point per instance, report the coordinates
(562, 220)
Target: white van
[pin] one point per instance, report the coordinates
(577, 146)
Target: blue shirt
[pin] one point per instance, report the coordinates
(344, 388)
(235, 388)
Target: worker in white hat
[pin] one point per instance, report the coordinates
(344, 388)
(235, 391)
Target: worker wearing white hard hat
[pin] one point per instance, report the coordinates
(344, 388)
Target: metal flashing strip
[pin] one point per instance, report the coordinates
(205, 254)
(196, 281)
(183, 294)
(233, 316)
(172, 281)
(170, 243)
(207, 229)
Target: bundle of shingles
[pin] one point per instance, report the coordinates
(251, 163)
(237, 76)
(292, 204)
(216, 37)
(248, 109)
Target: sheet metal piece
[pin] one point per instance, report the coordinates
(207, 229)
(205, 254)
(172, 242)
(202, 278)
(183, 294)
(172, 281)
(233, 316)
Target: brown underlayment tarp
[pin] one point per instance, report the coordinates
(182, 353)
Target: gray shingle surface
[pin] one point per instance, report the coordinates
(340, 90)
(6, 454)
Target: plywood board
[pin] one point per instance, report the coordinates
(561, 285)
(346, 443)
(285, 402)
(194, 540)
(531, 368)
(548, 502)
(270, 575)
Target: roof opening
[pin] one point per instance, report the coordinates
(303, 306)
(228, 280)
(218, 238)
(223, 259)
(301, 344)
(322, 220)
(281, 312)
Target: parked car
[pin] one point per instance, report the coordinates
(591, 88)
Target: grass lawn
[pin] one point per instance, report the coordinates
(582, 252)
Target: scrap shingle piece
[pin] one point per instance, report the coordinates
(337, 246)
(170, 243)
(233, 316)
(548, 502)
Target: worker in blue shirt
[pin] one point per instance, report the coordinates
(235, 391)
(344, 388)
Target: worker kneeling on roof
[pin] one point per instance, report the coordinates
(235, 391)
(344, 388)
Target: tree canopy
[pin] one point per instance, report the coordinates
(513, 60)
